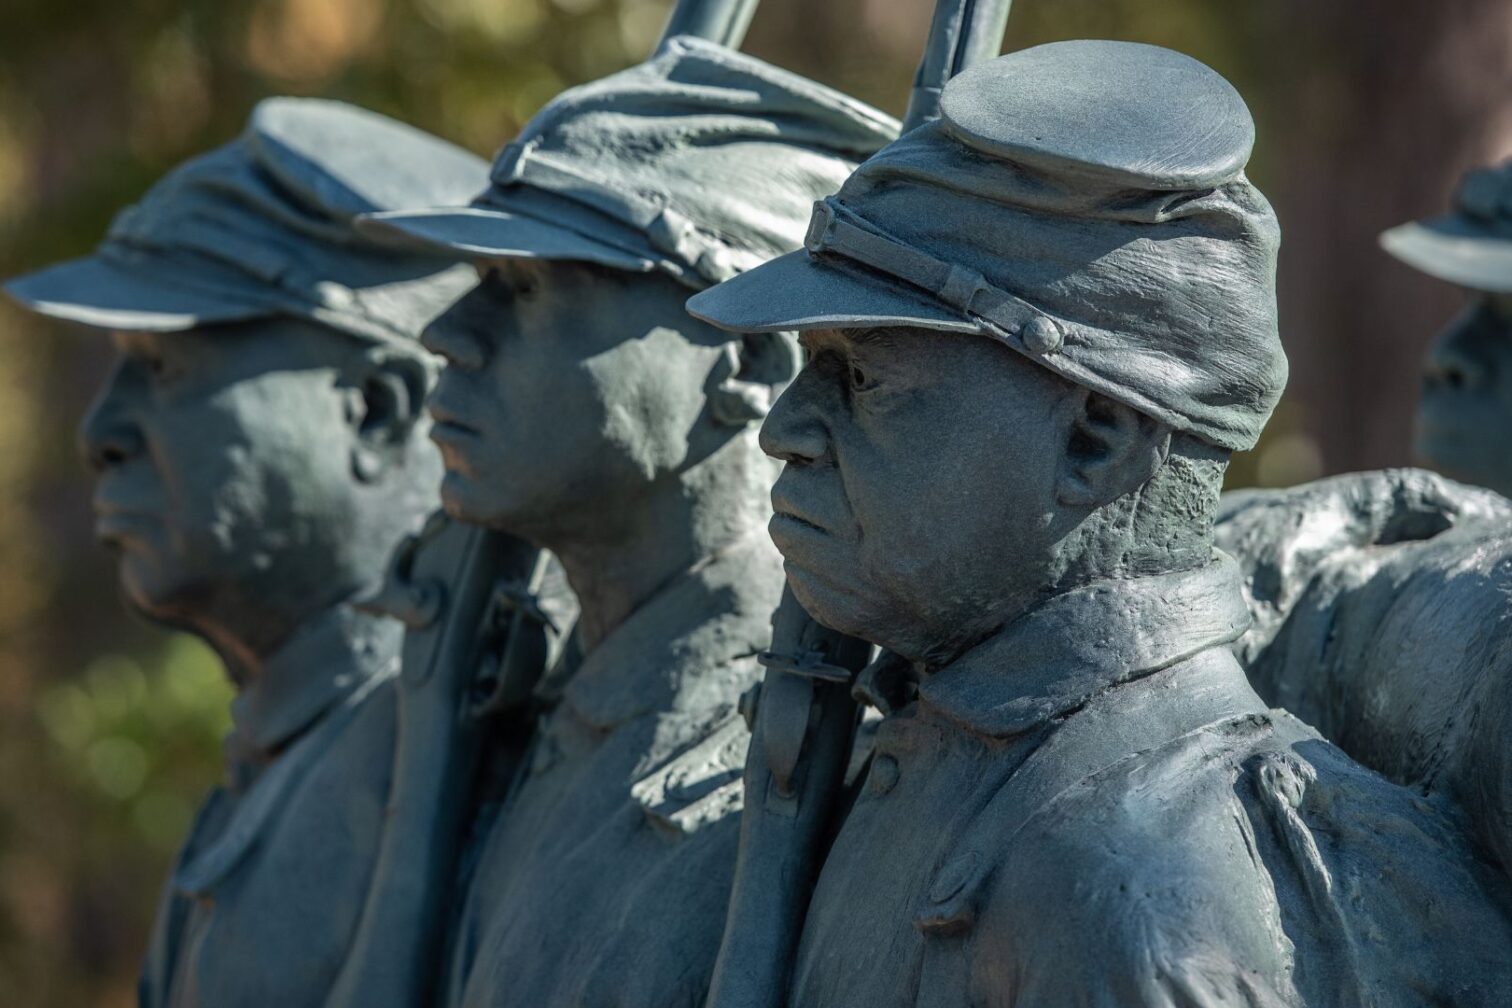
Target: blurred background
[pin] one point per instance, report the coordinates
(1368, 110)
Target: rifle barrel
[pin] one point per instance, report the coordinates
(962, 33)
(722, 21)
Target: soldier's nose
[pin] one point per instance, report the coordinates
(450, 338)
(108, 438)
(794, 431)
(109, 434)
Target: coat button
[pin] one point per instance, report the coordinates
(884, 775)
(1041, 336)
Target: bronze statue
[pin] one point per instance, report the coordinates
(259, 449)
(583, 410)
(1466, 407)
(1036, 330)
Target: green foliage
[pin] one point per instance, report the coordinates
(134, 738)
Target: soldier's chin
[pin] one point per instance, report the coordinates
(154, 591)
(832, 604)
(466, 501)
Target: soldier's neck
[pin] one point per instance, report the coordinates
(625, 551)
(246, 645)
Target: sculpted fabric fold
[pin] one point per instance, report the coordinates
(264, 226)
(1147, 279)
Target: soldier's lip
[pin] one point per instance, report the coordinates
(786, 517)
(447, 431)
(448, 424)
(445, 414)
(796, 538)
(115, 524)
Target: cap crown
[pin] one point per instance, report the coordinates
(1085, 202)
(702, 161)
(265, 225)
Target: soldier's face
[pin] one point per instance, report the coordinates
(569, 391)
(916, 507)
(1465, 415)
(222, 462)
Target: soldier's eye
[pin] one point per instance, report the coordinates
(860, 381)
(524, 282)
(156, 366)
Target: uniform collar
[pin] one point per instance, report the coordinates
(321, 664)
(666, 655)
(1054, 658)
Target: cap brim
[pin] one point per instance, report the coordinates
(798, 291)
(478, 233)
(1453, 249)
(101, 294)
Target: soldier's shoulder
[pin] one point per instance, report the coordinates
(1162, 831)
(1253, 854)
(1143, 875)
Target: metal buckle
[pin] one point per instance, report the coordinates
(809, 663)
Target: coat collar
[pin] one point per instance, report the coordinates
(1051, 660)
(324, 662)
(667, 654)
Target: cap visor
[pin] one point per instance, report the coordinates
(474, 232)
(798, 291)
(94, 292)
(1452, 249)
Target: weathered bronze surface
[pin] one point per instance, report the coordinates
(260, 448)
(585, 411)
(1035, 330)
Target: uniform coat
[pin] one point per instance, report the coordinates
(604, 879)
(266, 892)
(1093, 808)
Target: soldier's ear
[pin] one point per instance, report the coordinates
(751, 374)
(388, 400)
(1111, 450)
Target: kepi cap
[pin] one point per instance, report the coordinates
(1472, 245)
(1084, 203)
(264, 226)
(700, 162)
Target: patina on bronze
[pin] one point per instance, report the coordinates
(585, 411)
(805, 725)
(485, 614)
(260, 447)
(1036, 330)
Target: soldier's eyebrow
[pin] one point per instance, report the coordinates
(878, 336)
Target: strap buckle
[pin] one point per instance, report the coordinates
(808, 663)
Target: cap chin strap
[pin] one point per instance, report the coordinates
(1005, 316)
(674, 240)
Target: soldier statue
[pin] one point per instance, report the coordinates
(1036, 329)
(1465, 412)
(259, 448)
(583, 410)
